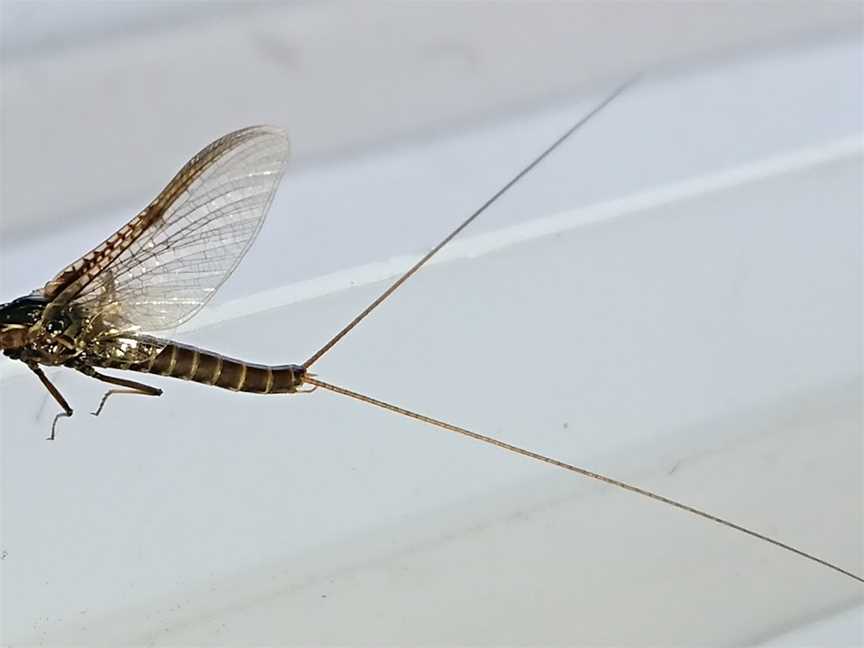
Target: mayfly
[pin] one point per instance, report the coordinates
(157, 271)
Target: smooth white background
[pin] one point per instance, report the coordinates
(673, 299)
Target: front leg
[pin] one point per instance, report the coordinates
(67, 411)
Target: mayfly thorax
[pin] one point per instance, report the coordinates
(157, 271)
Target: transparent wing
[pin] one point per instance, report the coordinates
(160, 269)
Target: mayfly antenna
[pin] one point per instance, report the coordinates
(392, 288)
(579, 471)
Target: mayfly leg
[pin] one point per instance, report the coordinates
(128, 387)
(67, 411)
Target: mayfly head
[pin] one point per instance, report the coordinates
(17, 318)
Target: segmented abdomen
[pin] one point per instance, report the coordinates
(189, 363)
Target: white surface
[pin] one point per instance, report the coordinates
(837, 630)
(705, 343)
(100, 98)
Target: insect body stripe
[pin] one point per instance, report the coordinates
(286, 379)
(217, 371)
(196, 359)
(172, 362)
(208, 369)
(184, 361)
(232, 375)
(241, 382)
(257, 379)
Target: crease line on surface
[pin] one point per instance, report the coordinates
(471, 247)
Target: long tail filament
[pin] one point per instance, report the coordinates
(579, 471)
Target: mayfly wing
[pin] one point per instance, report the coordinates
(164, 265)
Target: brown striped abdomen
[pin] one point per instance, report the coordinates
(189, 363)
